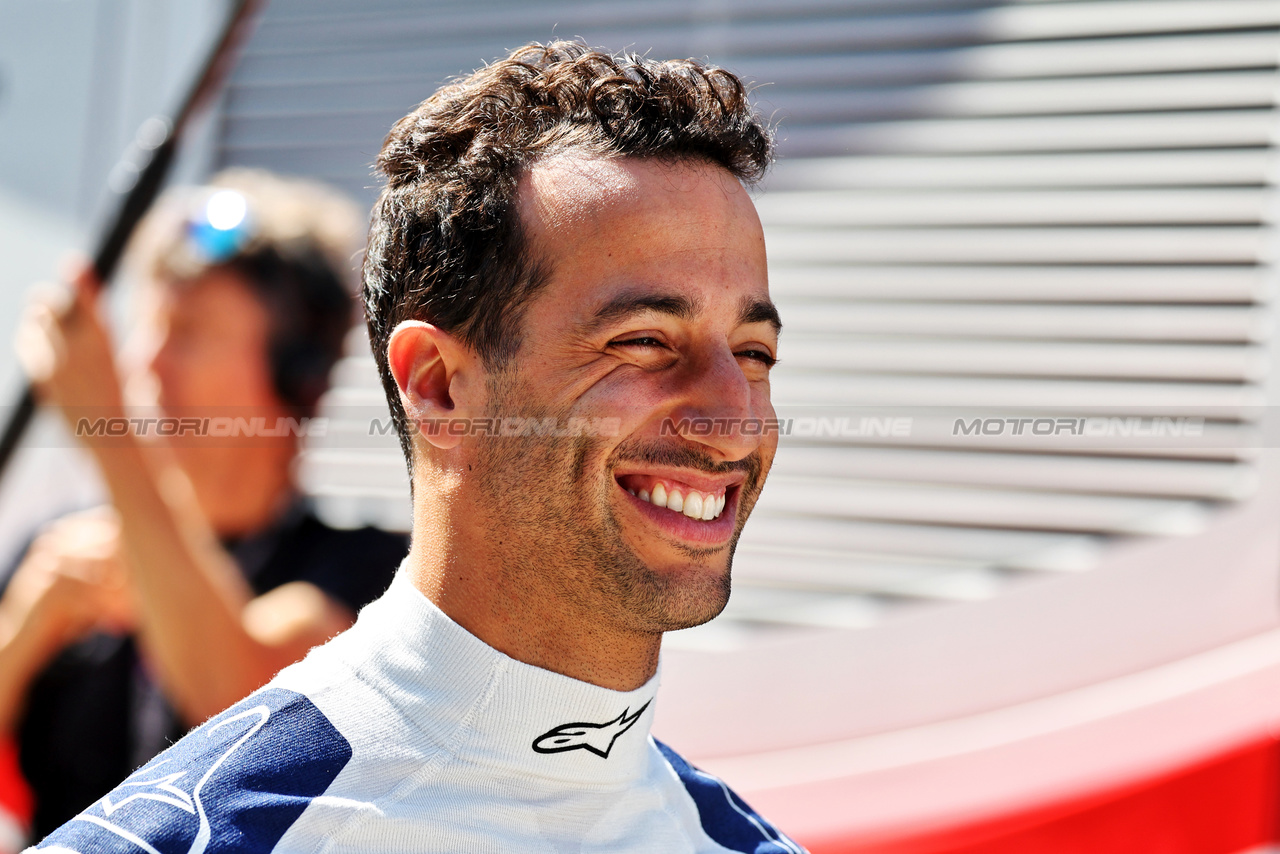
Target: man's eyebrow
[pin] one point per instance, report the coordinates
(760, 311)
(626, 305)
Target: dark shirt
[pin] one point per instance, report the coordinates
(95, 714)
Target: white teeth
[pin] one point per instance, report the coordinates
(659, 496)
(710, 509)
(693, 506)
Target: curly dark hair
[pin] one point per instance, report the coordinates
(446, 243)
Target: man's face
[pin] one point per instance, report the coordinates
(657, 314)
(202, 350)
(205, 346)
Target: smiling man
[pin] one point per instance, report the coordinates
(565, 283)
(653, 310)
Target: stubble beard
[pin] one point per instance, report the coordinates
(557, 537)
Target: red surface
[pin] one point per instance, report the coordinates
(15, 796)
(1225, 805)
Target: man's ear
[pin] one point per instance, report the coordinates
(434, 371)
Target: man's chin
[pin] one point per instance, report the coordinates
(698, 617)
(687, 596)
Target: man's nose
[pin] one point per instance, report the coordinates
(719, 409)
(157, 360)
(157, 354)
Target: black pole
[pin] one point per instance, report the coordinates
(137, 179)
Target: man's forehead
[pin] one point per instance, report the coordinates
(624, 236)
(569, 190)
(564, 190)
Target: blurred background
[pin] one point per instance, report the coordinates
(943, 637)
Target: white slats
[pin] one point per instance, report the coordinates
(1180, 53)
(1022, 207)
(794, 387)
(1225, 128)
(759, 613)
(844, 572)
(1044, 20)
(1006, 23)
(1084, 245)
(1217, 323)
(909, 354)
(1220, 90)
(1032, 285)
(982, 210)
(1211, 481)
(1034, 551)
(1246, 166)
(996, 508)
(885, 501)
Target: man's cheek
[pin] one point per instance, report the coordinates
(630, 404)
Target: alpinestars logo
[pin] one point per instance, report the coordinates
(598, 738)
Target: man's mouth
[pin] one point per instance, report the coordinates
(677, 497)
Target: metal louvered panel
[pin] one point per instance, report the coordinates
(917, 354)
(981, 209)
(1188, 168)
(1229, 129)
(844, 497)
(1218, 323)
(1031, 551)
(1201, 52)
(1211, 400)
(1018, 245)
(1204, 480)
(1202, 285)
(1223, 89)
(841, 208)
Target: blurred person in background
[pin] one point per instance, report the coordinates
(123, 627)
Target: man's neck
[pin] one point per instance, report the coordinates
(506, 608)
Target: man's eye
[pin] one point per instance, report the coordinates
(760, 356)
(643, 341)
